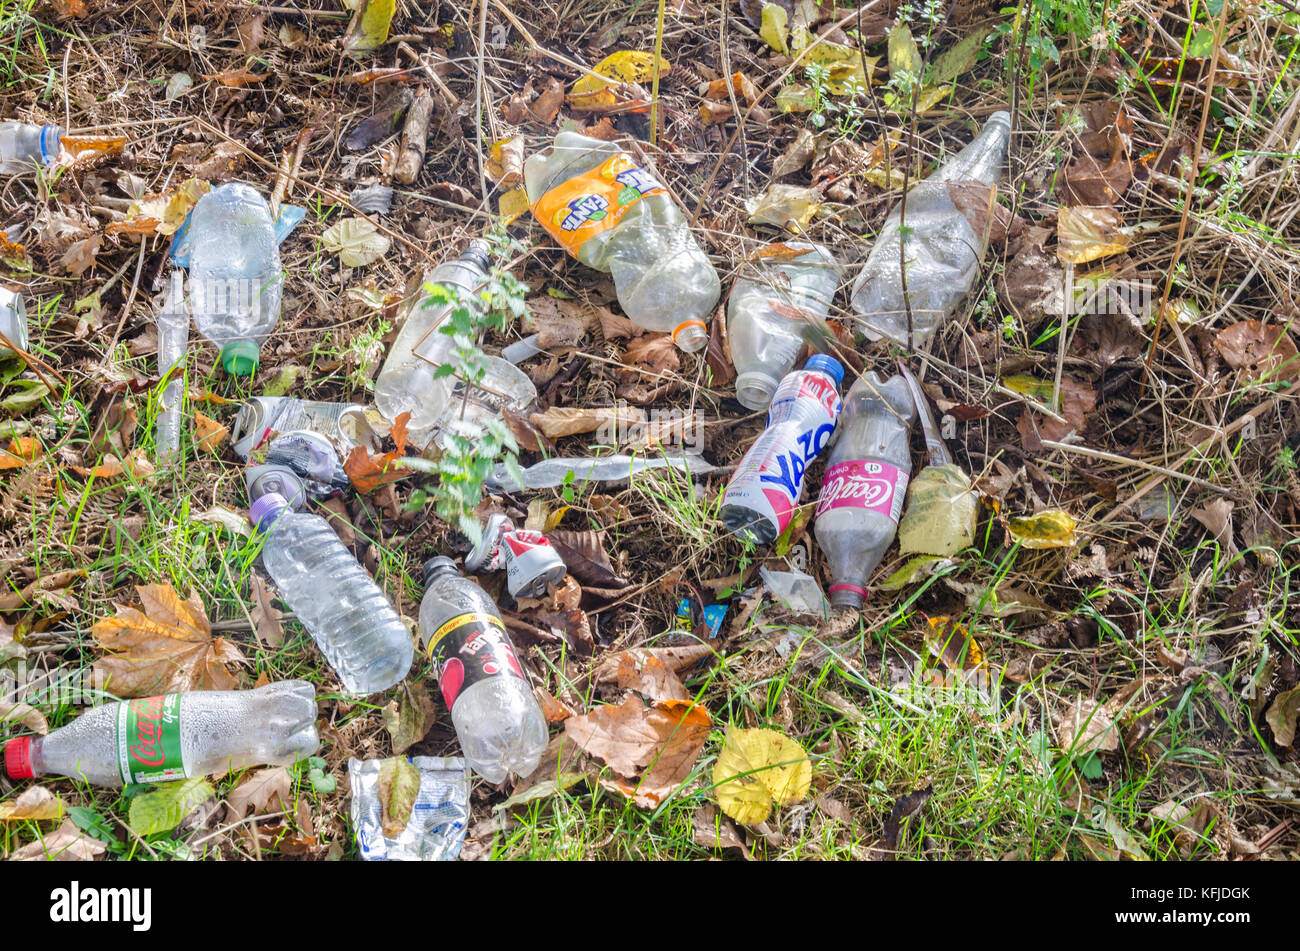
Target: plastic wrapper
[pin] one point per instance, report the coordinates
(436, 829)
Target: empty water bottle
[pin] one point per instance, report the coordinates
(761, 497)
(336, 600)
(500, 727)
(13, 318)
(160, 739)
(408, 383)
(942, 247)
(616, 217)
(865, 484)
(779, 302)
(23, 146)
(173, 335)
(235, 276)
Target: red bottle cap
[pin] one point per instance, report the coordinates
(18, 758)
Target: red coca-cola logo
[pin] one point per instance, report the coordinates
(865, 485)
(147, 748)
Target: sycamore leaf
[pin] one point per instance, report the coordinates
(369, 27)
(399, 784)
(164, 808)
(1050, 529)
(35, 804)
(757, 769)
(357, 241)
(166, 648)
(267, 790)
(941, 513)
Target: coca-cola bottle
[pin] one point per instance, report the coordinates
(762, 495)
(865, 484)
(159, 739)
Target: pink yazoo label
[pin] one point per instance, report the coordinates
(863, 484)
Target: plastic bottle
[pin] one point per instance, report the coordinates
(173, 335)
(159, 739)
(761, 497)
(13, 318)
(500, 727)
(865, 484)
(614, 216)
(777, 304)
(336, 600)
(943, 250)
(572, 470)
(23, 146)
(235, 276)
(407, 383)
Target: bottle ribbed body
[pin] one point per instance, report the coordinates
(339, 604)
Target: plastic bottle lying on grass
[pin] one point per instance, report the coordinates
(24, 146)
(13, 319)
(159, 739)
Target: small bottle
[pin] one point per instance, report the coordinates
(408, 381)
(500, 727)
(177, 736)
(530, 560)
(943, 250)
(235, 276)
(173, 335)
(336, 600)
(760, 499)
(778, 303)
(614, 216)
(23, 146)
(865, 484)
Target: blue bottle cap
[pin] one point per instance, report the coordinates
(828, 365)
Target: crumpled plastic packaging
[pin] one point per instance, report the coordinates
(436, 829)
(797, 591)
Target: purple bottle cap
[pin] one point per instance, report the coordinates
(266, 510)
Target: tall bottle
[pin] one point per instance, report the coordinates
(761, 497)
(943, 248)
(160, 739)
(336, 600)
(235, 276)
(614, 216)
(865, 484)
(500, 727)
(173, 335)
(778, 303)
(23, 146)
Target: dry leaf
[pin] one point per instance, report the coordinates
(356, 240)
(757, 769)
(369, 27)
(1087, 233)
(1281, 716)
(368, 472)
(561, 421)
(12, 712)
(785, 206)
(165, 648)
(399, 785)
(80, 255)
(265, 616)
(711, 831)
(67, 843)
(267, 790)
(1050, 529)
(136, 463)
(585, 556)
(1264, 350)
(546, 106)
(744, 89)
(238, 78)
(22, 451)
(35, 804)
(655, 352)
(1216, 515)
(209, 433)
(1085, 726)
(612, 667)
(505, 164)
(415, 715)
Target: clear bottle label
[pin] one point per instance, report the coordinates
(469, 648)
(149, 739)
(593, 202)
(863, 484)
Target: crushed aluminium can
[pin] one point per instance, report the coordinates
(530, 560)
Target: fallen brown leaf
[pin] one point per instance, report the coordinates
(655, 352)
(545, 107)
(584, 554)
(237, 78)
(66, 843)
(1263, 349)
(265, 616)
(209, 434)
(369, 472)
(267, 790)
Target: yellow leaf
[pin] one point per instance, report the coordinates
(952, 646)
(775, 27)
(941, 513)
(35, 804)
(1050, 529)
(369, 27)
(22, 451)
(786, 206)
(931, 96)
(843, 65)
(512, 204)
(904, 57)
(1087, 233)
(505, 164)
(626, 66)
(162, 214)
(209, 433)
(1029, 386)
(759, 768)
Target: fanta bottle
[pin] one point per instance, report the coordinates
(616, 217)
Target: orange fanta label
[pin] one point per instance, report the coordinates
(595, 201)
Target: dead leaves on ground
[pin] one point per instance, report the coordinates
(166, 646)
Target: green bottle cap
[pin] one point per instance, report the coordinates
(240, 357)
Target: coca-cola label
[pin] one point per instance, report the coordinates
(469, 648)
(863, 484)
(149, 740)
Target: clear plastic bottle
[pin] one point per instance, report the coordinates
(159, 739)
(407, 383)
(173, 336)
(762, 495)
(865, 483)
(336, 600)
(614, 216)
(776, 306)
(235, 276)
(943, 250)
(500, 727)
(23, 146)
(13, 318)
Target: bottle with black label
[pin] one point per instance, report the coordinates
(500, 727)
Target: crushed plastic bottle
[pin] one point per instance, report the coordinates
(173, 336)
(500, 727)
(13, 318)
(235, 276)
(865, 483)
(779, 302)
(943, 250)
(549, 473)
(24, 146)
(176, 736)
(614, 216)
(407, 383)
(530, 560)
(761, 497)
(334, 598)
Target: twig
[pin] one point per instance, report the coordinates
(479, 86)
(1124, 460)
(1065, 323)
(654, 86)
(34, 363)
